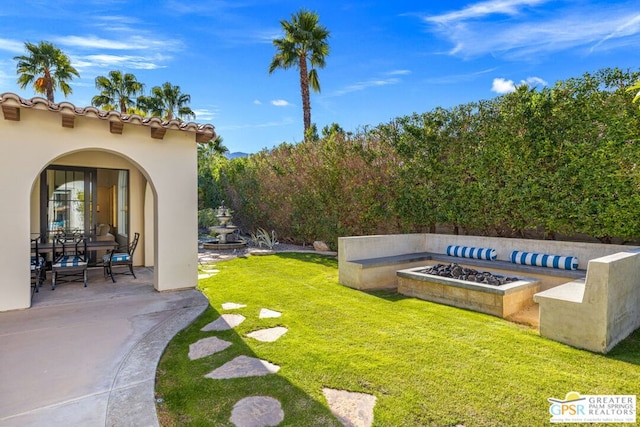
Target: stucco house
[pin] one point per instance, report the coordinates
(64, 167)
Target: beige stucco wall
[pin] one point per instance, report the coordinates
(598, 313)
(167, 167)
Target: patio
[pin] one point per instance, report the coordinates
(88, 356)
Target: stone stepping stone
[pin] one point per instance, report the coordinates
(257, 411)
(232, 306)
(242, 367)
(351, 408)
(265, 313)
(224, 322)
(206, 347)
(268, 335)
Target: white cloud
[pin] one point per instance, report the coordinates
(6, 77)
(133, 42)
(120, 61)
(625, 29)
(204, 114)
(12, 46)
(280, 103)
(398, 73)
(533, 81)
(482, 9)
(257, 102)
(93, 42)
(528, 33)
(457, 78)
(502, 86)
(374, 82)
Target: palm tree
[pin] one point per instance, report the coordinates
(304, 40)
(167, 102)
(47, 67)
(116, 91)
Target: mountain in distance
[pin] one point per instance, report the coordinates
(236, 154)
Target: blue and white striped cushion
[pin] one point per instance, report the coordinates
(120, 257)
(70, 261)
(545, 260)
(36, 262)
(469, 252)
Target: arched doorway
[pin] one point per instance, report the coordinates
(100, 194)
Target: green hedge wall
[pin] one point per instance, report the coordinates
(557, 160)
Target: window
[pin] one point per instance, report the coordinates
(76, 200)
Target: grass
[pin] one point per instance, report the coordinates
(427, 364)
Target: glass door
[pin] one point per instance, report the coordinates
(69, 201)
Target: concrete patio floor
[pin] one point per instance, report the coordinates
(88, 356)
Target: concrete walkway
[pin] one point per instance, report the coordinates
(88, 356)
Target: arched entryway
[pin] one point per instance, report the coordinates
(97, 193)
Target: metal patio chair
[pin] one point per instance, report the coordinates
(70, 260)
(38, 271)
(121, 257)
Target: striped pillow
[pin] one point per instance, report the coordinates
(545, 260)
(70, 261)
(468, 252)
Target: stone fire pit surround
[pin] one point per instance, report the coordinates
(502, 301)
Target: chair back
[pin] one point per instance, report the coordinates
(134, 243)
(64, 246)
(36, 259)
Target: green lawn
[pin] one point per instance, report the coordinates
(427, 364)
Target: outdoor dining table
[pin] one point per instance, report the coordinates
(44, 248)
(92, 247)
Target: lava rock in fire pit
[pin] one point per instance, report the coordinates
(456, 271)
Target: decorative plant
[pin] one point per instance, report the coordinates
(263, 237)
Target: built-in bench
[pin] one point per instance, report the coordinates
(399, 261)
(371, 262)
(598, 312)
(593, 307)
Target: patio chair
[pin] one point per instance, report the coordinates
(121, 257)
(69, 261)
(38, 271)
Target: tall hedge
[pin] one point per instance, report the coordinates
(557, 160)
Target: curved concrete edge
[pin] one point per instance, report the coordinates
(132, 395)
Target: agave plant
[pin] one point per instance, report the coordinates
(263, 237)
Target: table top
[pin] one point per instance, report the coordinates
(91, 246)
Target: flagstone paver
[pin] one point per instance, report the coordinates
(257, 411)
(232, 306)
(265, 313)
(206, 347)
(224, 322)
(351, 408)
(268, 335)
(243, 366)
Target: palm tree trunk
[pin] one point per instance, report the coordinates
(304, 90)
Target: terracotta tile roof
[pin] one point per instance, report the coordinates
(12, 103)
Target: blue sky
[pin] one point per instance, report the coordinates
(387, 59)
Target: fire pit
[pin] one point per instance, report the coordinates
(483, 291)
(456, 271)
